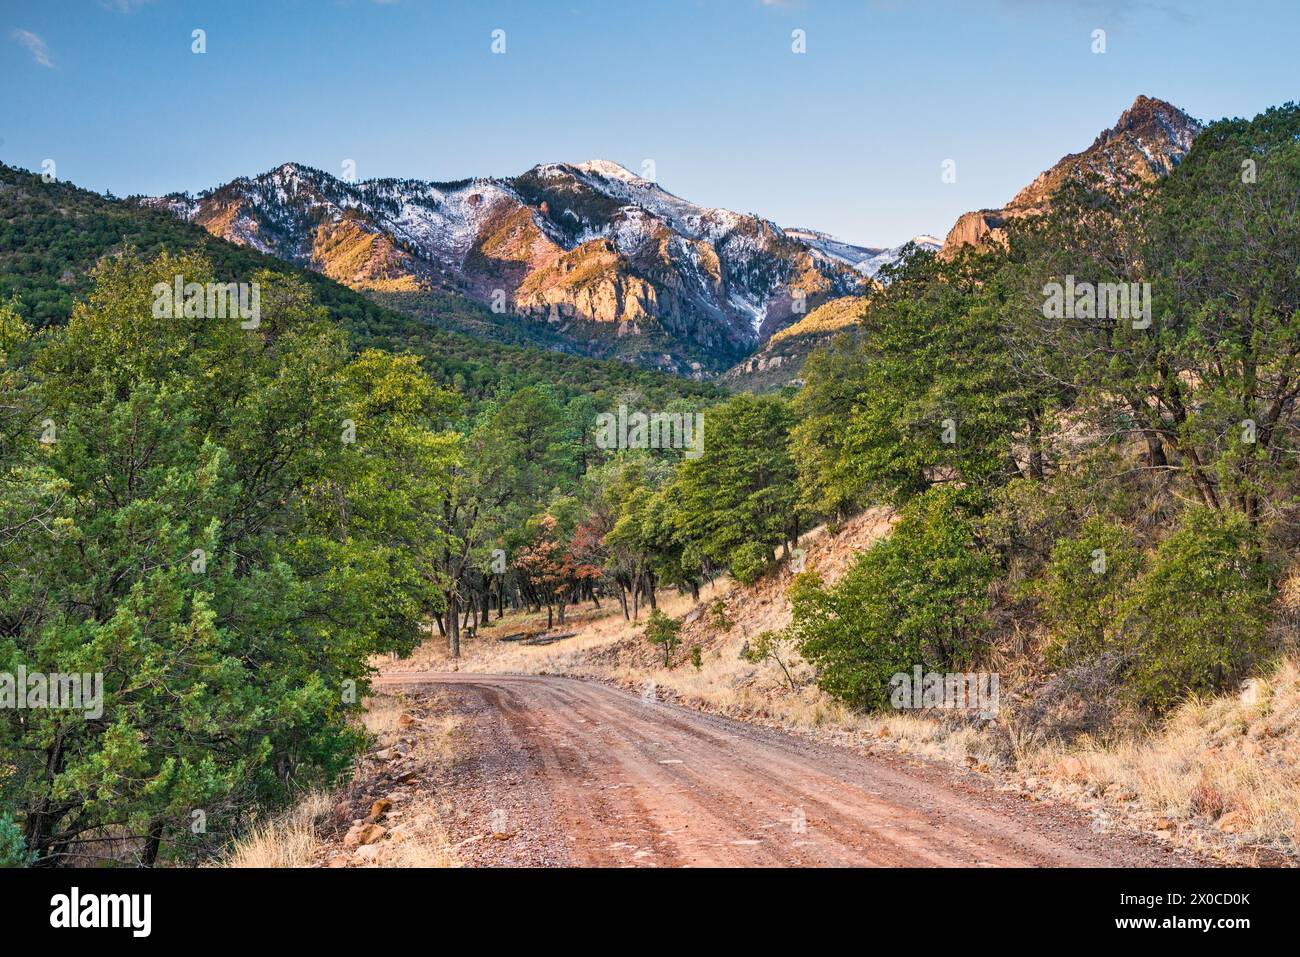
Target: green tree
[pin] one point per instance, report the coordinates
(924, 394)
(216, 520)
(664, 631)
(514, 457)
(1196, 620)
(739, 498)
(919, 597)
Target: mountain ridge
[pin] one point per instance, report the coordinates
(604, 262)
(1148, 140)
(608, 258)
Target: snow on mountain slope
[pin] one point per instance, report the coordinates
(616, 262)
(846, 253)
(870, 267)
(866, 260)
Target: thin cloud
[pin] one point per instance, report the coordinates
(39, 51)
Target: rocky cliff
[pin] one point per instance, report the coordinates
(1150, 138)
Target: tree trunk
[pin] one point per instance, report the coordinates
(453, 620)
(1155, 449)
(152, 845)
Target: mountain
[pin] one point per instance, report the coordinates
(780, 362)
(1149, 140)
(610, 262)
(871, 267)
(53, 234)
(867, 260)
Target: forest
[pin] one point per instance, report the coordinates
(229, 523)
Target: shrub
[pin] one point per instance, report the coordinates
(718, 614)
(749, 562)
(662, 630)
(1196, 619)
(13, 850)
(1084, 585)
(918, 597)
(770, 645)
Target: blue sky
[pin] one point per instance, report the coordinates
(848, 137)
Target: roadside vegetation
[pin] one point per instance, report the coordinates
(235, 526)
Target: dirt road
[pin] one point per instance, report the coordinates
(558, 771)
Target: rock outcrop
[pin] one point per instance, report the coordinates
(1150, 138)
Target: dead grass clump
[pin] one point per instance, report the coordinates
(290, 839)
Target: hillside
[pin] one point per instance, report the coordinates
(780, 362)
(53, 234)
(1216, 778)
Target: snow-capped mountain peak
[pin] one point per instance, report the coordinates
(611, 170)
(604, 256)
(866, 260)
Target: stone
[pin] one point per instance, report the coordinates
(362, 834)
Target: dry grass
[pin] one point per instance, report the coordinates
(308, 834)
(1231, 763)
(416, 836)
(290, 840)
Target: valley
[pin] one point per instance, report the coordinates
(555, 519)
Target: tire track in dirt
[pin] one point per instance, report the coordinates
(589, 774)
